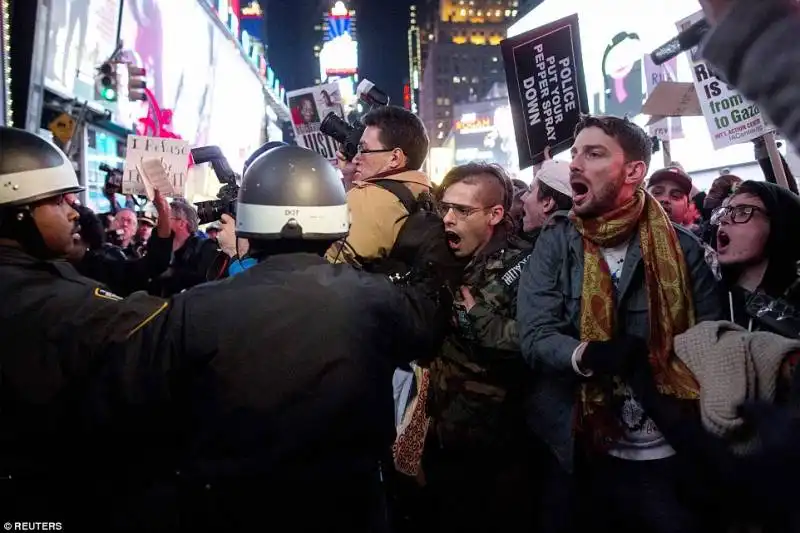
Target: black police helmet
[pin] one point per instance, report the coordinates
(267, 146)
(32, 169)
(291, 193)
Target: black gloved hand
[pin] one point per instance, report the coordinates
(615, 357)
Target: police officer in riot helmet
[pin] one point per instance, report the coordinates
(265, 396)
(293, 416)
(68, 349)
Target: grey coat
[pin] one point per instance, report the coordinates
(548, 313)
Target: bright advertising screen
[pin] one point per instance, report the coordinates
(603, 24)
(204, 87)
(483, 132)
(339, 54)
(81, 35)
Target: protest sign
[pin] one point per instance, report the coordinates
(173, 155)
(309, 108)
(731, 119)
(546, 87)
(670, 127)
(672, 99)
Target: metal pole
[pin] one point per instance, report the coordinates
(119, 21)
(666, 148)
(775, 159)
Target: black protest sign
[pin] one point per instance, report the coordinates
(546, 87)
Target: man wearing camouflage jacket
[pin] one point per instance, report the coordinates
(475, 459)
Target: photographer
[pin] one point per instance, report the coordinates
(108, 264)
(393, 148)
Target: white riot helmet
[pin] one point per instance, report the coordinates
(32, 169)
(292, 193)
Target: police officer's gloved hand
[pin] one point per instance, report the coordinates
(615, 357)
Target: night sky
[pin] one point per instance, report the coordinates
(381, 27)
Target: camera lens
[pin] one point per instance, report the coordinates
(212, 210)
(335, 127)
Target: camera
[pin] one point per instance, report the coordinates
(349, 135)
(225, 204)
(113, 181)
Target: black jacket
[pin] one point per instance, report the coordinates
(289, 408)
(83, 414)
(263, 400)
(124, 275)
(197, 261)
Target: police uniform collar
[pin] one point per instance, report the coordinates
(11, 253)
(291, 261)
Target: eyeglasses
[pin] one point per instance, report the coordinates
(738, 214)
(362, 150)
(461, 212)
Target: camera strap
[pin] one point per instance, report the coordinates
(400, 190)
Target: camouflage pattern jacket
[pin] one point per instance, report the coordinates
(477, 383)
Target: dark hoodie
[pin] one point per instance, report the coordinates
(783, 209)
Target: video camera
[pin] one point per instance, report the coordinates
(113, 180)
(225, 204)
(349, 135)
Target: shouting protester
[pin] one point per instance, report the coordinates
(611, 284)
(478, 435)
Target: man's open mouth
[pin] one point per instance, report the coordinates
(579, 191)
(723, 239)
(453, 239)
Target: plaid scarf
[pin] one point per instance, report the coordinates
(670, 304)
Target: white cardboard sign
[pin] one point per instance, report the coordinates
(173, 155)
(731, 119)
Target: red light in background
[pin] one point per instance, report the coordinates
(407, 96)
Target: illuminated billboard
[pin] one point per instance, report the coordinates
(612, 63)
(483, 131)
(339, 54)
(212, 93)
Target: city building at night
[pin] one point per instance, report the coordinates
(338, 50)
(421, 33)
(463, 59)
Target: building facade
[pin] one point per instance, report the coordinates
(463, 59)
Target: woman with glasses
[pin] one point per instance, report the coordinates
(758, 247)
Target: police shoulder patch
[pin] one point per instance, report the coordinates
(106, 295)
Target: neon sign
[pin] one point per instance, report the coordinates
(470, 123)
(252, 10)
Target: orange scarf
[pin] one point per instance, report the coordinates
(670, 304)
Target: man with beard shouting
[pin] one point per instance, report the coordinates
(614, 282)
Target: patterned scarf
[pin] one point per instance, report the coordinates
(670, 305)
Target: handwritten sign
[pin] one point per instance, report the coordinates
(172, 153)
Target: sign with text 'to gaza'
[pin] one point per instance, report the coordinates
(546, 87)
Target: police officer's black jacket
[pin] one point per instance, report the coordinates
(262, 398)
(82, 396)
(292, 388)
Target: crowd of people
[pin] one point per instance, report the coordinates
(605, 348)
